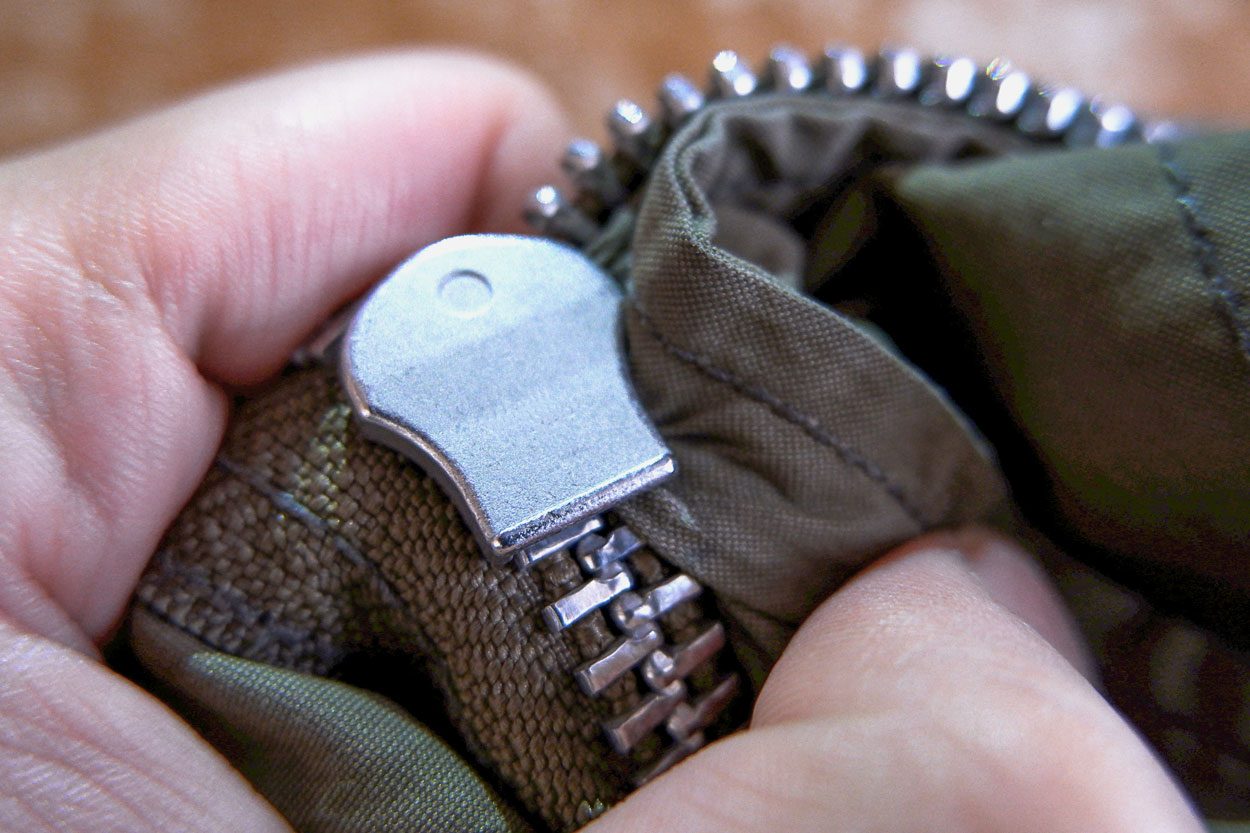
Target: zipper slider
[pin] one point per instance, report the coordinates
(495, 363)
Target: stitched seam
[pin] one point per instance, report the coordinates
(225, 598)
(269, 635)
(1199, 233)
(791, 414)
(287, 503)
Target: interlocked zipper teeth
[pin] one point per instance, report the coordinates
(604, 554)
(606, 180)
(996, 92)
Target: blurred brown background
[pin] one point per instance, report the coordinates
(67, 65)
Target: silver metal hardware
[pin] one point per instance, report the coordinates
(603, 552)
(634, 612)
(788, 71)
(952, 82)
(622, 657)
(1004, 95)
(1163, 130)
(846, 70)
(630, 613)
(562, 540)
(731, 77)
(591, 170)
(1051, 113)
(633, 132)
(591, 596)
(323, 344)
(679, 99)
(995, 92)
(900, 73)
(664, 668)
(555, 216)
(1103, 125)
(627, 730)
(693, 717)
(666, 665)
(596, 554)
(677, 753)
(494, 363)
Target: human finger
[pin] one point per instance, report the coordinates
(914, 700)
(198, 246)
(84, 751)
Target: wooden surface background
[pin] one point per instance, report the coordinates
(68, 65)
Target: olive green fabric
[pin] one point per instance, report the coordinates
(312, 549)
(806, 445)
(1107, 296)
(1185, 688)
(825, 297)
(1229, 827)
(1086, 308)
(329, 756)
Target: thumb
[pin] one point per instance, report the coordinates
(139, 269)
(143, 267)
(925, 695)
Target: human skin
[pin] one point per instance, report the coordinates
(147, 270)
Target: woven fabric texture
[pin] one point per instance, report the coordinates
(1106, 296)
(332, 756)
(825, 297)
(313, 550)
(807, 444)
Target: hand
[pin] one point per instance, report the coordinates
(143, 270)
(148, 268)
(940, 690)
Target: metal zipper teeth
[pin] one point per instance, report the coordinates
(997, 92)
(603, 553)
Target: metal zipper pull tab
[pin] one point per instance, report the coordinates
(495, 363)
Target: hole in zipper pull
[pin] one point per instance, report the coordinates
(494, 363)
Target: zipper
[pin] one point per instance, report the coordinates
(493, 363)
(603, 552)
(997, 92)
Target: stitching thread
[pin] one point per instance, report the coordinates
(1204, 249)
(225, 599)
(791, 414)
(287, 503)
